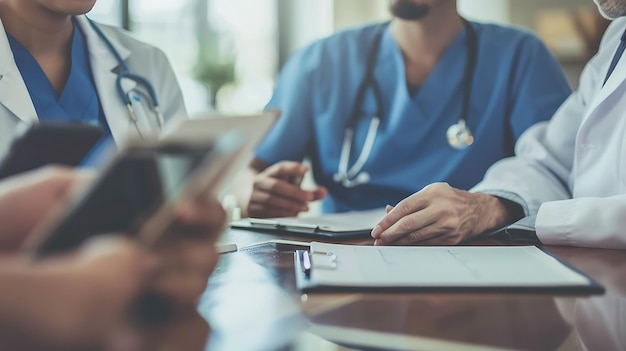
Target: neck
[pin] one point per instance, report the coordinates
(423, 42)
(40, 30)
(428, 37)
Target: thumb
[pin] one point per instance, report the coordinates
(287, 169)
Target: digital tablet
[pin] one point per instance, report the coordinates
(37, 145)
(139, 182)
(138, 191)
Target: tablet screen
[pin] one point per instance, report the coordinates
(127, 192)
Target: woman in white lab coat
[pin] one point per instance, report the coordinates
(568, 179)
(54, 65)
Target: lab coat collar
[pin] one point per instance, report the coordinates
(99, 52)
(105, 71)
(13, 91)
(617, 79)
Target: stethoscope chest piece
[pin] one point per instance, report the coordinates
(459, 136)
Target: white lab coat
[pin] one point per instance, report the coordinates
(571, 171)
(142, 59)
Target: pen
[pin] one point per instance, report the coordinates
(306, 262)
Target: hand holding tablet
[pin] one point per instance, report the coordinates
(140, 190)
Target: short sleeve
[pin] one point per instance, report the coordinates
(293, 133)
(540, 86)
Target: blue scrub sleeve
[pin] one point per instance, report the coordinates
(539, 87)
(293, 133)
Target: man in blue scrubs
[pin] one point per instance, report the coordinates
(427, 62)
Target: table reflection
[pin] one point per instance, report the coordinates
(599, 323)
(246, 308)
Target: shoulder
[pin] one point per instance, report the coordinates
(357, 36)
(338, 48)
(501, 38)
(133, 44)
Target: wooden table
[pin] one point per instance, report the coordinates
(252, 304)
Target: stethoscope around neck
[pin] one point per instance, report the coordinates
(458, 135)
(125, 73)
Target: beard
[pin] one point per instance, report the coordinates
(611, 9)
(408, 11)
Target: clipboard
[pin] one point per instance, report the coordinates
(331, 258)
(347, 225)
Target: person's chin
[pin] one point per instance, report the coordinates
(76, 7)
(408, 11)
(612, 9)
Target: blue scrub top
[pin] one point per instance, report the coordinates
(78, 101)
(517, 83)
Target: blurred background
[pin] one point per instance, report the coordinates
(227, 53)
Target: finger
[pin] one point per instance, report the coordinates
(188, 265)
(277, 202)
(199, 217)
(411, 204)
(199, 257)
(420, 237)
(122, 251)
(183, 287)
(388, 208)
(282, 188)
(58, 173)
(320, 193)
(61, 178)
(286, 170)
(408, 225)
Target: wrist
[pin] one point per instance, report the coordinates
(494, 213)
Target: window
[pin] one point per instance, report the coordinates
(224, 52)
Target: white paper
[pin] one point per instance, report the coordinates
(467, 266)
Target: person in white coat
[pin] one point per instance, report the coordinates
(567, 182)
(57, 65)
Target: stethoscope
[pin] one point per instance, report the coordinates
(458, 135)
(124, 72)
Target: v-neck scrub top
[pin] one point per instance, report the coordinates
(78, 100)
(517, 83)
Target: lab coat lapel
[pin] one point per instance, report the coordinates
(617, 79)
(105, 67)
(13, 92)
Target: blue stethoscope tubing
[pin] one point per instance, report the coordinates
(459, 136)
(124, 72)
